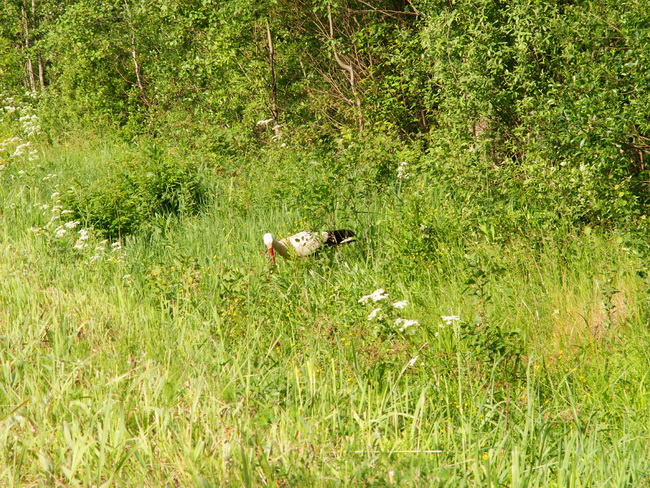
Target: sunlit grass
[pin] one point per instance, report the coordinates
(182, 357)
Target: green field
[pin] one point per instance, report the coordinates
(177, 355)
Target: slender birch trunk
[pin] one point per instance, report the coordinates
(29, 66)
(349, 70)
(134, 56)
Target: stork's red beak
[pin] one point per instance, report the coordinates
(272, 253)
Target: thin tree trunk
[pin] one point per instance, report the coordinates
(134, 55)
(41, 71)
(274, 88)
(41, 65)
(31, 77)
(347, 68)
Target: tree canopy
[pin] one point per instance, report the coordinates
(531, 83)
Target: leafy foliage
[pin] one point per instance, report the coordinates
(554, 91)
(131, 193)
(491, 156)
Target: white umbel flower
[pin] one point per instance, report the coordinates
(375, 296)
(403, 324)
(450, 319)
(374, 313)
(402, 171)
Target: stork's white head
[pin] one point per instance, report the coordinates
(268, 242)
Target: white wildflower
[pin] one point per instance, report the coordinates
(34, 229)
(401, 304)
(81, 240)
(450, 319)
(403, 324)
(402, 171)
(375, 296)
(72, 224)
(60, 232)
(116, 246)
(374, 313)
(55, 195)
(66, 212)
(21, 149)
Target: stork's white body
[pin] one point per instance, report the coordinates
(305, 243)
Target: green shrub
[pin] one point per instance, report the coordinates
(131, 193)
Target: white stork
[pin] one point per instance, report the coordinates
(306, 243)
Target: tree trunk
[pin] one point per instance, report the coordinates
(41, 71)
(134, 56)
(348, 69)
(29, 65)
(41, 65)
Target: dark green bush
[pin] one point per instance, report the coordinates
(131, 193)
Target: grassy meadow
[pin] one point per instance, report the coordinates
(177, 355)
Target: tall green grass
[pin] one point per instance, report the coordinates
(180, 356)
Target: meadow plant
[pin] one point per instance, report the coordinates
(19, 120)
(385, 315)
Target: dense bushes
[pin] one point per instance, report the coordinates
(555, 91)
(130, 194)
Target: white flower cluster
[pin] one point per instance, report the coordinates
(375, 296)
(18, 146)
(64, 232)
(402, 171)
(84, 234)
(403, 324)
(10, 107)
(27, 119)
(30, 125)
(383, 314)
(450, 319)
(116, 254)
(10, 141)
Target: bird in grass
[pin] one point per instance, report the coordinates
(306, 243)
